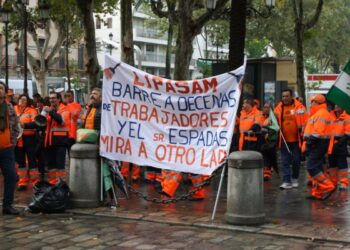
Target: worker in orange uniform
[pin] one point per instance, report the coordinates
(250, 124)
(75, 109)
(317, 134)
(171, 180)
(269, 146)
(135, 170)
(338, 165)
(9, 131)
(26, 148)
(92, 118)
(291, 116)
(56, 137)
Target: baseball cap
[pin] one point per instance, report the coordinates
(318, 98)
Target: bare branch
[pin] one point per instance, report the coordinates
(312, 22)
(201, 20)
(157, 8)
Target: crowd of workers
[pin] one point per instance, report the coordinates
(321, 135)
(47, 128)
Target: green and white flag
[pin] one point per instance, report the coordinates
(340, 91)
(274, 123)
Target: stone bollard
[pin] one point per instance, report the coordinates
(84, 175)
(245, 194)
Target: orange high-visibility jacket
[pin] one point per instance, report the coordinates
(58, 134)
(320, 124)
(340, 128)
(75, 109)
(246, 121)
(300, 115)
(25, 116)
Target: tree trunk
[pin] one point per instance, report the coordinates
(67, 57)
(183, 55)
(127, 32)
(40, 78)
(300, 59)
(300, 27)
(171, 7)
(93, 68)
(237, 33)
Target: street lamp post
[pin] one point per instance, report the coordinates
(23, 4)
(110, 46)
(6, 15)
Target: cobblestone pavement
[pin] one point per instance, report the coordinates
(71, 231)
(288, 213)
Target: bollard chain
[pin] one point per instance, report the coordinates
(170, 200)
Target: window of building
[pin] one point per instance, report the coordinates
(81, 57)
(41, 42)
(150, 48)
(98, 23)
(109, 23)
(62, 60)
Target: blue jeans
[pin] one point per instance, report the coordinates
(7, 164)
(292, 158)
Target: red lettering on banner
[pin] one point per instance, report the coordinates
(216, 157)
(134, 112)
(137, 82)
(114, 104)
(148, 82)
(196, 88)
(210, 85)
(104, 141)
(154, 114)
(175, 154)
(182, 87)
(157, 81)
(122, 146)
(224, 118)
(125, 109)
(142, 150)
(169, 87)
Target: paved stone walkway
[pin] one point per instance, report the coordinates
(288, 213)
(74, 232)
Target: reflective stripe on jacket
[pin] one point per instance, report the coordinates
(320, 124)
(246, 121)
(58, 134)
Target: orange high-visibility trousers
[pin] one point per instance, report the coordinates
(171, 181)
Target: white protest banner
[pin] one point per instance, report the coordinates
(185, 126)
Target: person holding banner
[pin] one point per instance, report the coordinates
(291, 116)
(317, 135)
(338, 165)
(250, 124)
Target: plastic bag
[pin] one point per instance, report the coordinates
(49, 198)
(87, 136)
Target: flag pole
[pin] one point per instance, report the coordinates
(218, 193)
(285, 143)
(275, 122)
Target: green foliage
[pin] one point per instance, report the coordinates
(256, 47)
(325, 44)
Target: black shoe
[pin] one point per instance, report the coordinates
(22, 188)
(10, 210)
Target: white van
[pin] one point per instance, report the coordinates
(17, 85)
